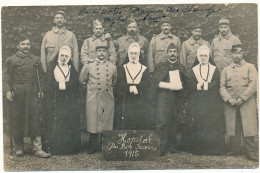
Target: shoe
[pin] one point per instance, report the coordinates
(254, 159)
(42, 154)
(19, 152)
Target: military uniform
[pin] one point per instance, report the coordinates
(19, 77)
(53, 41)
(189, 52)
(158, 48)
(240, 80)
(99, 78)
(221, 50)
(124, 43)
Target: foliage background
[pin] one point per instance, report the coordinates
(36, 21)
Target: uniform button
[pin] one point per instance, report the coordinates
(107, 79)
(97, 73)
(98, 83)
(97, 68)
(106, 89)
(107, 84)
(107, 74)
(98, 78)
(99, 89)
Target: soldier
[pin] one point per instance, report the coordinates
(238, 84)
(169, 91)
(99, 76)
(158, 46)
(22, 77)
(222, 44)
(189, 47)
(131, 37)
(55, 39)
(88, 50)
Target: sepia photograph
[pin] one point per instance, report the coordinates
(130, 87)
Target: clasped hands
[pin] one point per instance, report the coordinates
(169, 86)
(237, 102)
(10, 95)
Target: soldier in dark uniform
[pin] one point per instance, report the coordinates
(169, 92)
(21, 88)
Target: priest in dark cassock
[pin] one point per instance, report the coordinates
(62, 117)
(132, 83)
(204, 133)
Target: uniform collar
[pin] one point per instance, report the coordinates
(242, 62)
(56, 30)
(102, 37)
(192, 41)
(20, 54)
(163, 36)
(136, 37)
(101, 62)
(172, 62)
(226, 37)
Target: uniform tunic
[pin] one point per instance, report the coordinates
(158, 48)
(189, 51)
(88, 50)
(124, 43)
(19, 76)
(99, 78)
(53, 41)
(240, 81)
(221, 50)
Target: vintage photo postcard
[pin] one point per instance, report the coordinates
(130, 87)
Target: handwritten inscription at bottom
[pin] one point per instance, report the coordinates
(130, 145)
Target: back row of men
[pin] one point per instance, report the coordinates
(155, 51)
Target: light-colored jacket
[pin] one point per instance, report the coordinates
(158, 49)
(240, 81)
(100, 77)
(53, 41)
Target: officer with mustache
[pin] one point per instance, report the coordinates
(23, 77)
(222, 44)
(55, 39)
(158, 46)
(189, 47)
(88, 50)
(131, 37)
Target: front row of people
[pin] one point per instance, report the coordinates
(186, 108)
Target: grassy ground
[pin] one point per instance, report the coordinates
(84, 161)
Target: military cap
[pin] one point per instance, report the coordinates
(223, 21)
(96, 23)
(21, 37)
(101, 45)
(195, 27)
(239, 48)
(171, 46)
(131, 20)
(165, 20)
(59, 12)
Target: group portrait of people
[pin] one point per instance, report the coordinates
(200, 96)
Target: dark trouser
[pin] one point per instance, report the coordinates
(167, 121)
(94, 141)
(241, 144)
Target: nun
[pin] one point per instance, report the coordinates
(62, 120)
(205, 113)
(131, 103)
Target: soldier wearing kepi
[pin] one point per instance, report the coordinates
(100, 77)
(55, 39)
(22, 75)
(238, 84)
(222, 44)
(189, 47)
(169, 91)
(131, 37)
(158, 46)
(88, 50)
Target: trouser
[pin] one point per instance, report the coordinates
(36, 142)
(94, 140)
(241, 144)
